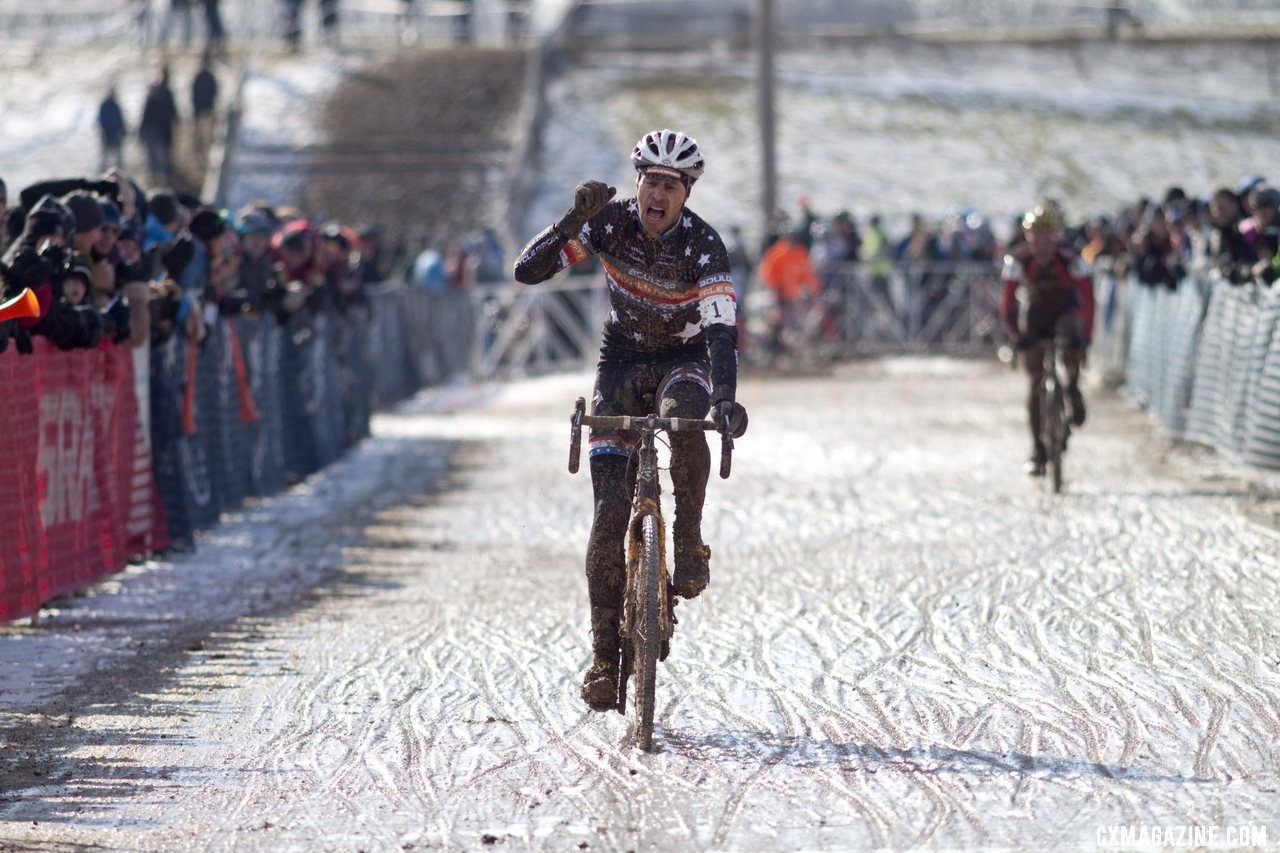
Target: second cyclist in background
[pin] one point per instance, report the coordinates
(1048, 292)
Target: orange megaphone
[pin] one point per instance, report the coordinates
(24, 304)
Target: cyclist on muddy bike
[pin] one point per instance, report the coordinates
(1048, 292)
(669, 341)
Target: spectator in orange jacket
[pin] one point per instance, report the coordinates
(786, 270)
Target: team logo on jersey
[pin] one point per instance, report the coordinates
(716, 286)
(572, 252)
(648, 291)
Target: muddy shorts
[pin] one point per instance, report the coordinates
(675, 386)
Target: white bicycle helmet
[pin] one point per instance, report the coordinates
(669, 149)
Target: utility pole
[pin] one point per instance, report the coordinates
(768, 133)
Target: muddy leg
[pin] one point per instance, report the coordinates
(606, 572)
(1033, 358)
(690, 467)
(1071, 357)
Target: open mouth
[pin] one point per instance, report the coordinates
(654, 215)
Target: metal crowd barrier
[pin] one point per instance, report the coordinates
(948, 307)
(936, 306)
(532, 329)
(273, 402)
(1205, 360)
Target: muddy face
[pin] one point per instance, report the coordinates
(659, 200)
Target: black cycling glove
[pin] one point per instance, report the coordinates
(588, 199)
(736, 414)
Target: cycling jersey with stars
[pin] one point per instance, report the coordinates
(664, 292)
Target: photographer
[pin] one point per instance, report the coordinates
(48, 223)
(46, 270)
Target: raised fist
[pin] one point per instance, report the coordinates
(590, 198)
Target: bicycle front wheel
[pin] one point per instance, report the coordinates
(646, 637)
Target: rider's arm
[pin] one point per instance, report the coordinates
(566, 242)
(551, 251)
(719, 322)
(1009, 276)
(544, 256)
(722, 344)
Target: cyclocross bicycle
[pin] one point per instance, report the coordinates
(648, 618)
(1054, 427)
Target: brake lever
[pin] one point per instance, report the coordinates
(726, 449)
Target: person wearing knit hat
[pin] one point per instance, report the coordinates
(88, 213)
(40, 225)
(163, 220)
(109, 233)
(176, 256)
(48, 221)
(254, 221)
(207, 224)
(85, 208)
(77, 280)
(213, 270)
(110, 213)
(254, 225)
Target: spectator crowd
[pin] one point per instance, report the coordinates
(1155, 241)
(113, 264)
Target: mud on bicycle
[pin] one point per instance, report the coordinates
(648, 614)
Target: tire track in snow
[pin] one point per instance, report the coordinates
(904, 644)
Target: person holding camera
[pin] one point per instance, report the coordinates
(47, 270)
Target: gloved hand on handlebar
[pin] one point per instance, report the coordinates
(736, 414)
(588, 199)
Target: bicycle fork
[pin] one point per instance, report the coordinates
(647, 506)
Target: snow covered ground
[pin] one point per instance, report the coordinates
(907, 644)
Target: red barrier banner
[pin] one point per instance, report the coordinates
(79, 498)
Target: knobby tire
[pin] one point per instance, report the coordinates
(646, 640)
